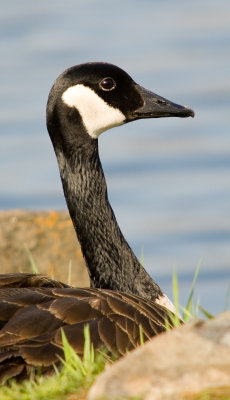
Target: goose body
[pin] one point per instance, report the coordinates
(85, 101)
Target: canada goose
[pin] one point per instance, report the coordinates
(85, 101)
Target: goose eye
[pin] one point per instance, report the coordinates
(107, 84)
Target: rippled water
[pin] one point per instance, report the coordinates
(168, 179)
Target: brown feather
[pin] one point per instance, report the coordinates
(32, 318)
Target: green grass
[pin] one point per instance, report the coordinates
(192, 308)
(31, 260)
(76, 376)
(215, 393)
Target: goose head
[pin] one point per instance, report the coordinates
(98, 96)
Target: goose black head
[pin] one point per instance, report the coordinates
(99, 96)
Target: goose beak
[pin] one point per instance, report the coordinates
(156, 107)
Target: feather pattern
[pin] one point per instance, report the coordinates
(32, 318)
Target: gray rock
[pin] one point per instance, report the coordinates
(189, 359)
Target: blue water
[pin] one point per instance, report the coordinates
(168, 179)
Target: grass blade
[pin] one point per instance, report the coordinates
(31, 260)
(69, 273)
(189, 304)
(206, 313)
(227, 297)
(141, 335)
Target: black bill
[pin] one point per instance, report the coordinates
(157, 107)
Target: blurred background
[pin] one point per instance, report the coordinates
(168, 179)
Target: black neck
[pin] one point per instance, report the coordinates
(110, 261)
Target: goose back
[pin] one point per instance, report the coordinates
(31, 320)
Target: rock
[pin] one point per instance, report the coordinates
(173, 365)
(51, 240)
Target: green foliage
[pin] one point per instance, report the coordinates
(192, 308)
(84, 369)
(31, 260)
(206, 313)
(142, 258)
(76, 376)
(69, 273)
(227, 298)
(214, 393)
(141, 335)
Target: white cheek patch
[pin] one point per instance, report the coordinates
(165, 302)
(97, 116)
